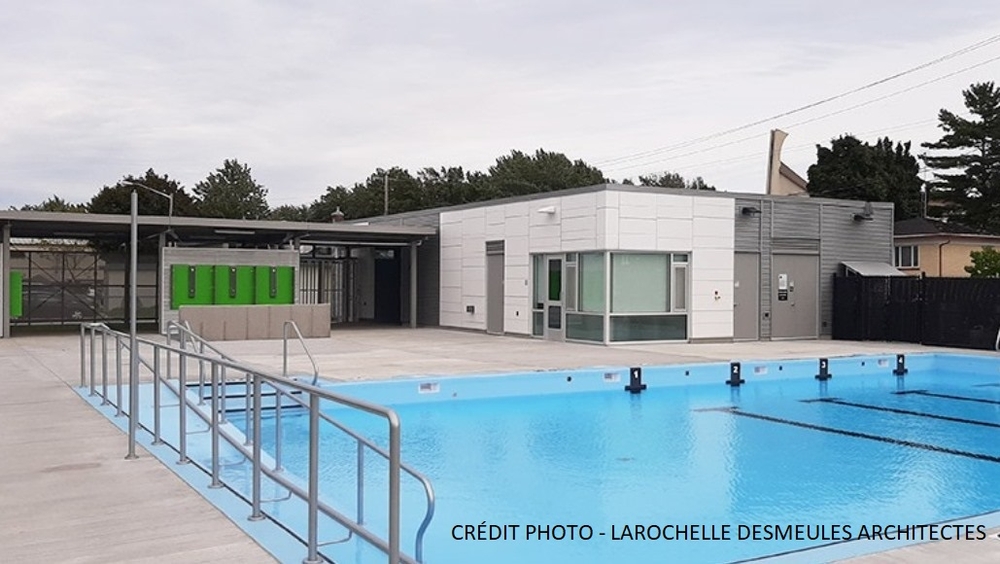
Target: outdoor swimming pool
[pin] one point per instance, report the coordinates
(816, 459)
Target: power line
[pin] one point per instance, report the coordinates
(802, 146)
(817, 118)
(949, 56)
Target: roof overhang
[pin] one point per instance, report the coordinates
(42, 225)
(864, 268)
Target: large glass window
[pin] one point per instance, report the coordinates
(591, 283)
(538, 275)
(640, 283)
(555, 280)
(537, 295)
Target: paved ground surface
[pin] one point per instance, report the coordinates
(67, 494)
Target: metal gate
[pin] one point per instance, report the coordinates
(329, 281)
(67, 286)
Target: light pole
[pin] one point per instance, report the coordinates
(133, 353)
(385, 192)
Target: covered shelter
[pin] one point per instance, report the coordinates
(63, 268)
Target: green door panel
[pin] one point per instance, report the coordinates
(275, 285)
(234, 285)
(190, 285)
(16, 294)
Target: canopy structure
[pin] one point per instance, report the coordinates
(74, 292)
(860, 268)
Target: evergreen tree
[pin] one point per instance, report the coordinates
(967, 158)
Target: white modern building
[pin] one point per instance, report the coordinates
(617, 263)
(606, 264)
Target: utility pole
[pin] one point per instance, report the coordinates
(385, 190)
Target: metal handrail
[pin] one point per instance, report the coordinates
(284, 387)
(284, 350)
(362, 441)
(185, 328)
(996, 345)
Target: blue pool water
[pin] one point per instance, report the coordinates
(783, 450)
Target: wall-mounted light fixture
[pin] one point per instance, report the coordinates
(866, 214)
(551, 210)
(750, 210)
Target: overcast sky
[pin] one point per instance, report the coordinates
(317, 93)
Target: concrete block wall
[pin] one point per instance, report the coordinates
(232, 257)
(256, 322)
(599, 220)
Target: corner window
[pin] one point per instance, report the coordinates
(907, 256)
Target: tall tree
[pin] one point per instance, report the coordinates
(519, 173)
(968, 160)
(884, 172)
(117, 199)
(674, 180)
(289, 213)
(55, 204)
(231, 192)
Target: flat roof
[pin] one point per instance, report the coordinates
(642, 189)
(61, 225)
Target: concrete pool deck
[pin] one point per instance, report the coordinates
(67, 494)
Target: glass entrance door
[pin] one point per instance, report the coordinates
(554, 298)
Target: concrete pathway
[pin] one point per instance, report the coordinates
(66, 492)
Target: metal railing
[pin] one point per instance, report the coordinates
(284, 350)
(212, 372)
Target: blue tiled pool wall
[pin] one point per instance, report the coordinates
(426, 389)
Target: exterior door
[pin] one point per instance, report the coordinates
(746, 297)
(554, 298)
(794, 296)
(387, 280)
(494, 287)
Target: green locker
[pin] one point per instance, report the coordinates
(234, 285)
(190, 285)
(16, 294)
(275, 285)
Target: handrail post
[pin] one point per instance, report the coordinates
(156, 394)
(118, 375)
(394, 456)
(104, 368)
(182, 413)
(201, 377)
(83, 356)
(277, 428)
(361, 483)
(215, 427)
(93, 359)
(313, 534)
(247, 417)
(284, 349)
(256, 514)
(222, 397)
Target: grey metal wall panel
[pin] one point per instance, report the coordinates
(748, 233)
(796, 219)
(844, 239)
(767, 227)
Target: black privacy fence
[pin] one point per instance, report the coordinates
(954, 312)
